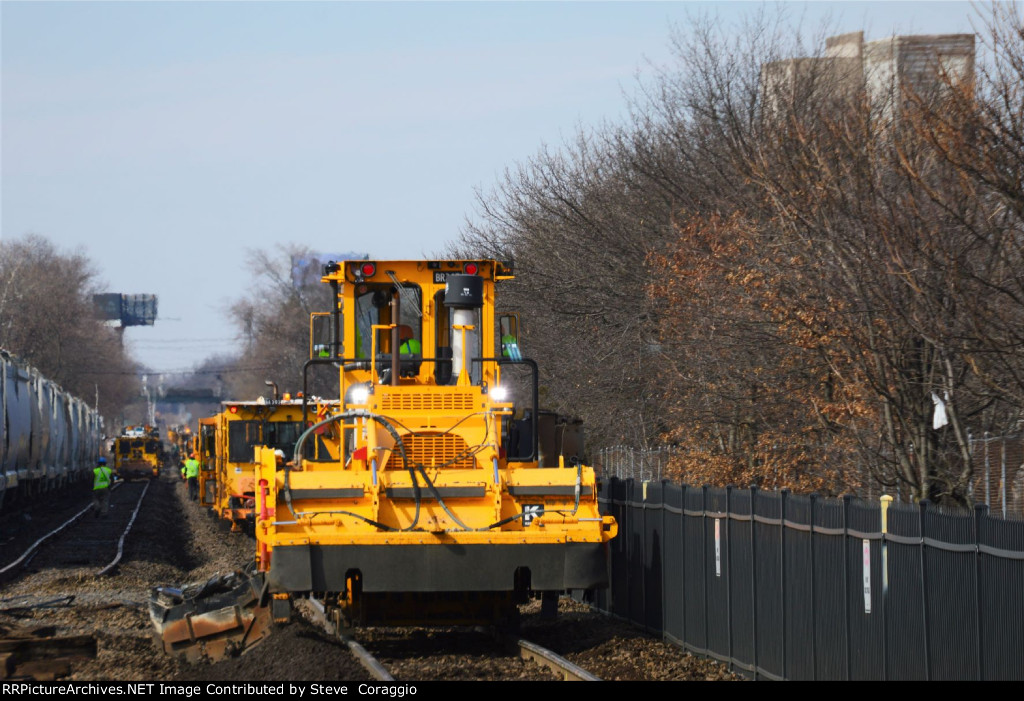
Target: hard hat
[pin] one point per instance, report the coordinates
(101, 461)
(279, 453)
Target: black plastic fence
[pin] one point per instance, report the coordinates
(785, 586)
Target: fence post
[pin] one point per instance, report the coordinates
(728, 573)
(643, 553)
(704, 563)
(814, 619)
(980, 510)
(922, 510)
(628, 530)
(846, 579)
(782, 576)
(682, 559)
(886, 501)
(753, 576)
(664, 549)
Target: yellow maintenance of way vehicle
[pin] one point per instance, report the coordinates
(227, 479)
(204, 446)
(138, 453)
(436, 505)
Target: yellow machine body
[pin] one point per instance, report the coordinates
(204, 446)
(138, 453)
(431, 491)
(228, 461)
(428, 513)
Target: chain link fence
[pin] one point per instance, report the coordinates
(625, 463)
(997, 472)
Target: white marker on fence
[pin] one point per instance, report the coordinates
(718, 547)
(867, 576)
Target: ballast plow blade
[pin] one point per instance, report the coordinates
(212, 620)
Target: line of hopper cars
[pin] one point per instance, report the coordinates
(48, 438)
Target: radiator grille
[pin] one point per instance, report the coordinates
(436, 451)
(426, 401)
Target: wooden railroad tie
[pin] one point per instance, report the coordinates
(41, 656)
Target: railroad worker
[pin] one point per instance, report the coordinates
(409, 351)
(409, 344)
(510, 347)
(191, 472)
(283, 462)
(101, 478)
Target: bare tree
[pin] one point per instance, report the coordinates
(47, 318)
(274, 322)
(796, 284)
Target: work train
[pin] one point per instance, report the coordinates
(48, 438)
(432, 490)
(226, 445)
(138, 453)
(180, 441)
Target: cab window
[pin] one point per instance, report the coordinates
(449, 342)
(374, 305)
(282, 434)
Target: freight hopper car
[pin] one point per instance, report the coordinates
(48, 438)
(438, 508)
(138, 453)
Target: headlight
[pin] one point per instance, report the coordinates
(499, 393)
(358, 394)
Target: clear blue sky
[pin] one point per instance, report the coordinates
(167, 138)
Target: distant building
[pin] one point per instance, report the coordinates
(883, 71)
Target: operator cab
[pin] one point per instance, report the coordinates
(395, 314)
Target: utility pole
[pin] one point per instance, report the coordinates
(150, 405)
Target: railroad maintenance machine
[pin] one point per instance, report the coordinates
(431, 491)
(138, 452)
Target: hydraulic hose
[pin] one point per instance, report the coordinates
(409, 464)
(412, 467)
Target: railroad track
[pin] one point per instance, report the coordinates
(556, 664)
(85, 541)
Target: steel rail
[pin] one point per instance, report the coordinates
(368, 661)
(556, 663)
(567, 670)
(32, 548)
(362, 655)
(120, 543)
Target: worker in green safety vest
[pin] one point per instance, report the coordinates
(190, 471)
(510, 347)
(101, 478)
(409, 343)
